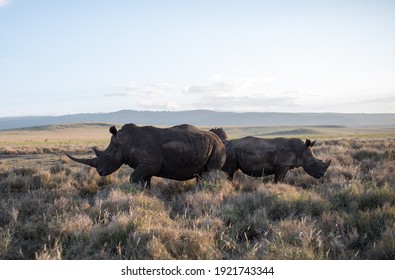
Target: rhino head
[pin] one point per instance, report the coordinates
(313, 166)
(109, 160)
(220, 132)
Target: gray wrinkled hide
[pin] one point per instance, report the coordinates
(259, 157)
(180, 152)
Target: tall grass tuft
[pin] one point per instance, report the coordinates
(56, 209)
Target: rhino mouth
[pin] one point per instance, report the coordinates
(317, 175)
(317, 170)
(103, 173)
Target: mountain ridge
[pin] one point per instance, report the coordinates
(206, 118)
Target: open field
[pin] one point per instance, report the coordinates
(81, 137)
(53, 139)
(52, 208)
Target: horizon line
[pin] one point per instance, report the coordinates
(185, 111)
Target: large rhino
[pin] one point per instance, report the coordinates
(259, 157)
(180, 152)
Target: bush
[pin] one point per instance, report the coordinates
(368, 154)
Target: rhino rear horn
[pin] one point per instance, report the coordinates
(88, 161)
(98, 153)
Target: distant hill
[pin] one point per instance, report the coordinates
(207, 118)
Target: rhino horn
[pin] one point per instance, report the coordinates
(88, 161)
(328, 163)
(97, 152)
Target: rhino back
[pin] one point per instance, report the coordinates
(186, 151)
(178, 152)
(256, 156)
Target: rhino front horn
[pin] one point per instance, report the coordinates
(88, 161)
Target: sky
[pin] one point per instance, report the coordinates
(73, 56)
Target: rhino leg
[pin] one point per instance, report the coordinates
(230, 167)
(145, 182)
(231, 174)
(279, 173)
(142, 174)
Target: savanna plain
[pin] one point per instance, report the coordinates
(53, 208)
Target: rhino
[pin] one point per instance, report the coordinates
(181, 152)
(259, 157)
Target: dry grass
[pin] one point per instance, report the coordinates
(51, 208)
(55, 139)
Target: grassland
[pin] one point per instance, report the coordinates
(51, 208)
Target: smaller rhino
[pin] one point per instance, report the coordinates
(259, 157)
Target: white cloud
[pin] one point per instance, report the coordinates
(116, 94)
(151, 97)
(221, 86)
(4, 3)
(244, 95)
(377, 100)
(246, 103)
(218, 93)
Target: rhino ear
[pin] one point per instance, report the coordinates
(118, 137)
(113, 130)
(309, 143)
(312, 143)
